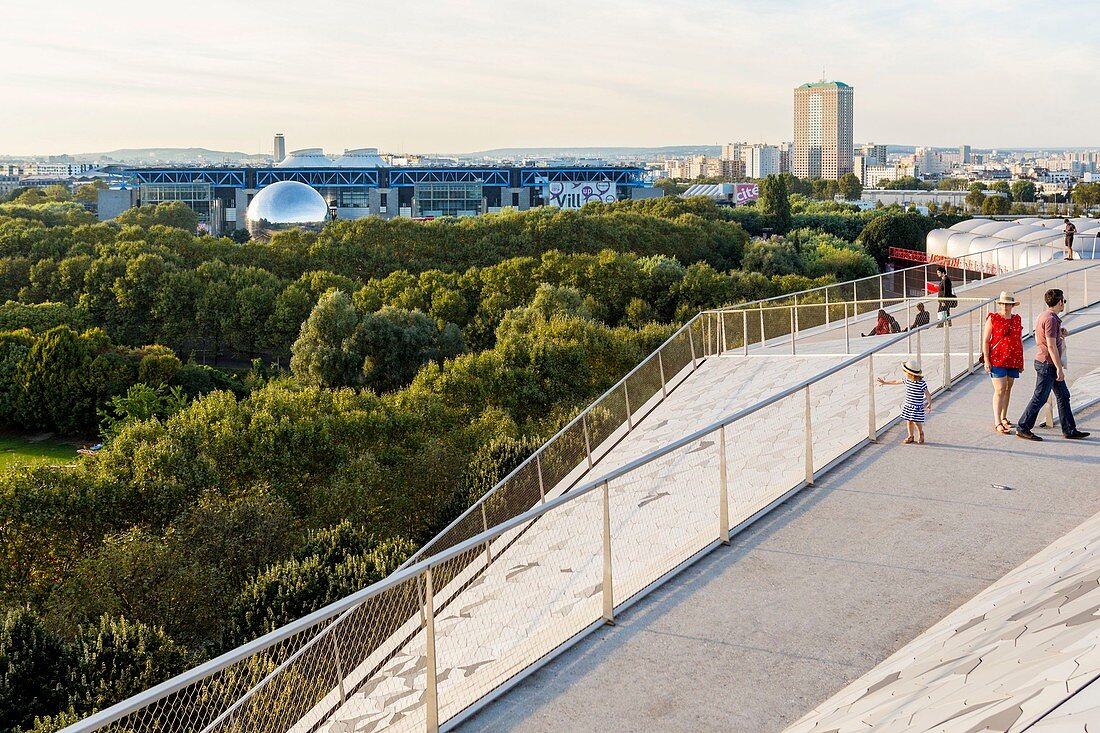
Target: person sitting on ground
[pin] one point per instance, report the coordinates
(922, 318)
(885, 325)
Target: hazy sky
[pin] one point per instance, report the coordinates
(438, 75)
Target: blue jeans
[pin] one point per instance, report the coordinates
(1045, 381)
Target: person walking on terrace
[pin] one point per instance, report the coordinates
(918, 400)
(1003, 356)
(885, 325)
(1050, 340)
(1069, 230)
(922, 318)
(946, 295)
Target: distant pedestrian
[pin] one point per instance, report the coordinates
(886, 324)
(1050, 340)
(947, 297)
(922, 318)
(1069, 230)
(1003, 356)
(918, 400)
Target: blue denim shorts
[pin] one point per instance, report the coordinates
(1002, 372)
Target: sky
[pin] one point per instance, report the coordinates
(460, 76)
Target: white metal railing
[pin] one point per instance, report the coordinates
(426, 645)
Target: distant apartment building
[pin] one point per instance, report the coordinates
(823, 121)
(64, 169)
(873, 175)
(762, 161)
(873, 154)
(927, 163)
(785, 157)
(732, 151)
(8, 184)
(964, 155)
(279, 152)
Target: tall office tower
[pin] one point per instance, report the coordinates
(964, 154)
(280, 147)
(822, 130)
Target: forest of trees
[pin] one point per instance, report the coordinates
(362, 386)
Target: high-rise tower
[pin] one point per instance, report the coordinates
(280, 147)
(822, 130)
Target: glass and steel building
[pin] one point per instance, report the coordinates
(359, 184)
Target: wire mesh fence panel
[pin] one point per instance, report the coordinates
(565, 459)
(733, 325)
(867, 292)
(607, 423)
(839, 413)
(809, 316)
(212, 703)
(662, 513)
(676, 359)
(380, 649)
(523, 607)
(765, 456)
(519, 493)
(643, 388)
(467, 526)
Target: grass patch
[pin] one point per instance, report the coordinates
(21, 450)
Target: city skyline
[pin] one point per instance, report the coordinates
(460, 77)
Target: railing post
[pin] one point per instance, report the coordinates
(793, 326)
(826, 305)
(691, 342)
(946, 354)
(847, 335)
(431, 689)
(920, 351)
(762, 339)
(723, 490)
(908, 322)
(608, 587)
(339, 667)
(881, 293)
(485, 528)
(722, 332)
(542, 485)
(970, 342)
(809, 442)
(872, 426)
(1030, 310)
(629, 412)
(588, 441)
(661, 366)
(981, 266)
(745, 330)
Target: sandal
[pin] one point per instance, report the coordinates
(908, 439)
(920, 440)
(1007, 424)
(1001, 429)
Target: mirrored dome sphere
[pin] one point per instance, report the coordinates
(286, 205)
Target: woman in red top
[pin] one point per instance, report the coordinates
(1003, 354)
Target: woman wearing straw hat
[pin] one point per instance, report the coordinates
(917, 400)
(1003, 355)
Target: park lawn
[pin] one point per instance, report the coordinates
(17, 450)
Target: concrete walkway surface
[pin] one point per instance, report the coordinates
(827, 585)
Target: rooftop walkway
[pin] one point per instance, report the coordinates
(828, 584)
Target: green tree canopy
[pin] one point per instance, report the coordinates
(774, 203)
